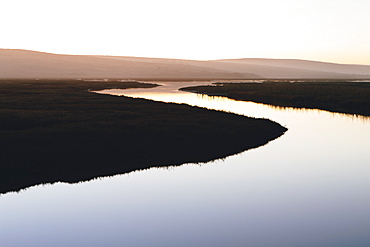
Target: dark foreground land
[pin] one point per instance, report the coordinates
(335, 96)
(56, 130)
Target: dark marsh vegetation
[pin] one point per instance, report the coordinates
(335, 96)
(57, 130)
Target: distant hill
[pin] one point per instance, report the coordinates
(304, 65)
(32, 64)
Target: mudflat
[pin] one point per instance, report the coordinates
(58, 130)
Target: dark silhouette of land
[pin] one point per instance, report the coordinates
(335, 96)
(31, 64)
(57, 130)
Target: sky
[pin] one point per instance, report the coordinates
(323, 30)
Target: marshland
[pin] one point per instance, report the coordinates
(331, 95)
(59, 130)
(185, 123)
(306, 185)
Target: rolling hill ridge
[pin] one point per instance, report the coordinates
(32, 64)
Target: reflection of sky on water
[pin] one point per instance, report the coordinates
(307, 188)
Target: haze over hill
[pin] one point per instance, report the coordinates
(304, 64)
(32, 64)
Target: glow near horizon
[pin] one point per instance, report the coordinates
(325, 30)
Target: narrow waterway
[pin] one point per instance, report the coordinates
(309, 187)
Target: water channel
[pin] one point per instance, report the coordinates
(310, 187)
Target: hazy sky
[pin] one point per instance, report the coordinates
(326, 30)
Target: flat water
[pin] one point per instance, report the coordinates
(310, 187)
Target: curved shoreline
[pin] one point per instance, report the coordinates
(57, 131)
(339, 97)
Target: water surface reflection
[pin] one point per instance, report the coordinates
(308, 188)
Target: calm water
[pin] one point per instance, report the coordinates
(310, 187)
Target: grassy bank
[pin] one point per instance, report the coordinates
(56, 130)
(335, 96)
